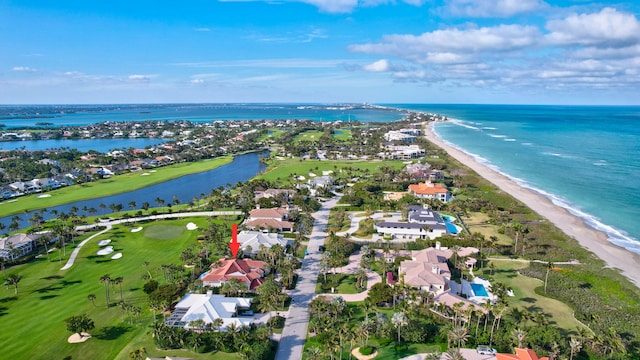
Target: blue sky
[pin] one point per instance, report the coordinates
(320, 51)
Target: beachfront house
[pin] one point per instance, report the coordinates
(422, 223)
(521, 354)
(209, 307)
(429, 190)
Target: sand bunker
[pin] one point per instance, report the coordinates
(136, 229)
(75, 338)
(191, 226)
(105, 251)
(104, 242)
(117, 256)
(144, 174)
(43, 196)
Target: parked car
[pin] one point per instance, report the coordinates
(486, 350)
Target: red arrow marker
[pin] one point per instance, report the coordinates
(234, 245)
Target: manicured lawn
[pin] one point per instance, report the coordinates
(343, 134)
(310, 135)
(282, 170)
(558, 313)
(114, 185)
(275, 133)
(393, 352)
(346, 284)
(47, 296)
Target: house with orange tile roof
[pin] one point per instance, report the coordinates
(521, 354)
(250, 272)
(429, 190)
(271, 218)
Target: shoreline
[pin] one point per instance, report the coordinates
(593, 240)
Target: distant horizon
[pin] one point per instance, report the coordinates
(384, 104)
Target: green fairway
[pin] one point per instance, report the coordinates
(114, 185)
(342, 134)
(47, 296)
(163, 232)
(309, 135)
(280, 170)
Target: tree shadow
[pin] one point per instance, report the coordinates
(112, 332)
(48, 288)
(46, 297)
(8, 298)
(3, 310)
(533, 309)
(66, 283)
(529, 300)
(52, 277)
(585, 286)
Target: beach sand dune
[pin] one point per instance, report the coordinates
(596, 241)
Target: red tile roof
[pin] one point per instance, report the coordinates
(521, 354)
(427, 189)
(246, 270)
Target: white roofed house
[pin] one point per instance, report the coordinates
(423, 223)
(251, 241)
(18, 245)
(209, 307)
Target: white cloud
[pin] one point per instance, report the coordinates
(454, 44)
(197, 81)
(23, 69)
(137, 77)
(377, 66)
(493, 8)
(607, 28)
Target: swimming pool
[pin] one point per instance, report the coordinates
(479, 290)
(451, 229)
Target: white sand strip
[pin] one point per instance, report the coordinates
(590, 238)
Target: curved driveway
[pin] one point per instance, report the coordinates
(295, 327)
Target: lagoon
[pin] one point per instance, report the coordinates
(82, 145)
(242, 168)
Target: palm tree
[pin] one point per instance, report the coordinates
(575, 345)
(106, 280)
(546, 277)
(361, 278)
(138, 354)
(519, 336)
(314, 353)
(453, 354)
(118, 281)
(399, 320)
(13, 279)
(92, 298)
(458, 335)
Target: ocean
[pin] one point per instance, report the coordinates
(584, 158)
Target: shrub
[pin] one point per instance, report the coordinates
(366, 350)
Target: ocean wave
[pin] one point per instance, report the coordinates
(527, 144)
(564, 156)
(489, 128)
(510, 139)
(615, 236)
(497, 136)
(463, 124)
(600, 163)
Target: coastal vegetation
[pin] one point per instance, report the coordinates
(557, 302)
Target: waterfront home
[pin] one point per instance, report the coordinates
(18, 245)
(429, 190)
(284, 194)
(422, 223)
(419, 171)
(401, 152)
(252, 241)
(248, 271)
(209, 307)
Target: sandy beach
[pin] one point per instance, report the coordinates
(596, 241)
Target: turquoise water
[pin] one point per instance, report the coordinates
(479, 290)
(584, 158)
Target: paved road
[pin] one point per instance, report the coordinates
(353, 266)
(295, 327)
